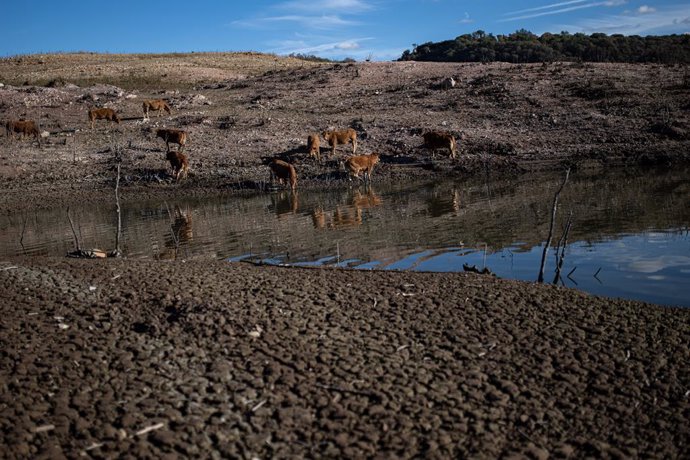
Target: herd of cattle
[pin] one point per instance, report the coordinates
(281, 170)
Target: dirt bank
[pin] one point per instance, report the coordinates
(264, 361)
(510, 119)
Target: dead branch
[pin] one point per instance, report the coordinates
(74, 233)
(117, 252)
(554, 208)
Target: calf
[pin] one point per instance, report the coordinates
(283, 171)
(157, 105)
(341, 137)
(175, 136)
(314, 146)
(22, 127)
(103, 114)
(179, 164)
(440, 140)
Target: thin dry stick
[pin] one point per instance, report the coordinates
(71, 224)
(554, 208)
(119, 213)
(21, 237)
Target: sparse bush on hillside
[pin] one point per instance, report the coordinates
(309, 57)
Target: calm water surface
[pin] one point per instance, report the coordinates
(629, 235)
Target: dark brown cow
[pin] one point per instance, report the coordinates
(179, 163)
(283, 171)
(175, 136)
(22, 127)
(156, 105)
(440, 140)
(103, 114)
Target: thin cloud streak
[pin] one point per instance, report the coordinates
(315, 22)
(341, 6)
(562, 10)
(301, 47)
(545, 7)
(675, 20)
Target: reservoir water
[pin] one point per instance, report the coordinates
(629, 234)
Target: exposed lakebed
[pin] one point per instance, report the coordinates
(629, 235)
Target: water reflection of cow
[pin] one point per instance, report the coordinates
(286, 203)
(347, 215)
(444, 202)
(181, 232)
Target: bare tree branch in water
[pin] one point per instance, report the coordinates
(117, 252)
(554, 208)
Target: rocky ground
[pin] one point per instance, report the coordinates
(152, 359)
(511, 118)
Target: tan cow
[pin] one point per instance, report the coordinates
(361, 163)
(175, 136)
(156, 105)
(22, 127)
(103, 114)
(440, 140)
(283, 171)
(314, 146)
(333, 138)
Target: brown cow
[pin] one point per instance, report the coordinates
(103, 114)
(283, 171)
(179, 164)
(157, 105)
(341, 137)
(314, 146)
(175, 136)
(23, 127)
(440, 140)
(362, 163)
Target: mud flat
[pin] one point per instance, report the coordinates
(198, 358)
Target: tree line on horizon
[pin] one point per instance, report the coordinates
(523, 46)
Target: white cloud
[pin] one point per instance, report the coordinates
(341, 6)
(668, 21)
(580, 5)
(644, 9)
(319, 14)
(356, 48)
(466, 19)
(544, 7)
(655, 264)
(314, 22)
(303, 47)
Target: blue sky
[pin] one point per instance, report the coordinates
(377, 29)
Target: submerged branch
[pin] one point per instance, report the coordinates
(554, 208)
